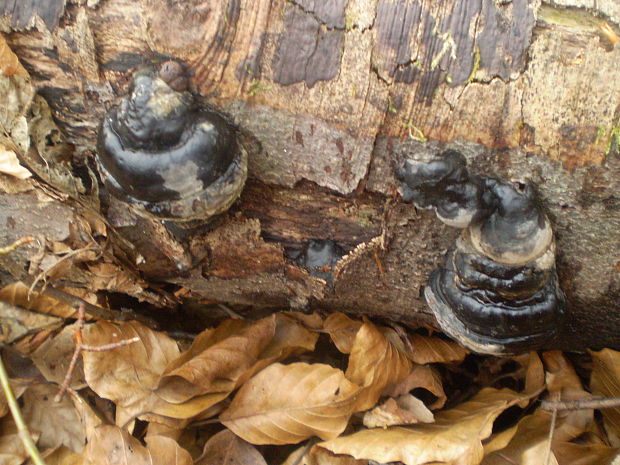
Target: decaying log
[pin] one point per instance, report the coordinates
(333, 95)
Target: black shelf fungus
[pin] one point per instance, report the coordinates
(498, 291)
(165, 153)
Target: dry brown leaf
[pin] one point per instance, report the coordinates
(53, 357)
(312, 321)
(454, 438)
(605, 382)
(222, 359)
(56, 422)
(9, 64)
(127, 375)
(110, 277)
(226, 448)
(342, 331)
(86, 414)
(111, 445)
(568, 453)
(421, 376)
(534, 374)
(375, 363)
(9, 164)
(285, 404)
(428, 349)
(291, 338)
(404, 410)
(564, 384)
(320, 456)
(16, 322)
(527, 446)
(61, 456)
(17, 294)
(166, 451)
(12, 451)
(216, 360)
(18, 386)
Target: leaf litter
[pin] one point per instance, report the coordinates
(273, 391)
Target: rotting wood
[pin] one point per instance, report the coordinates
(335, 97)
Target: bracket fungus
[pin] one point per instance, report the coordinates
(167, 154)
(498, 290)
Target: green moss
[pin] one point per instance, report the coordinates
(600, 134)
(256, 86)
(475, 67)
(614, 140)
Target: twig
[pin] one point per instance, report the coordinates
(581, 404)
(22, 428)
(80, 346)
(554, 416)
(16, 244)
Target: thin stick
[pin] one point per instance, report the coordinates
(16, 244)
(22, 428)
(581, 404)
(80, 347)
(554, 416)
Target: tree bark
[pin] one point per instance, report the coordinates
(332, 95)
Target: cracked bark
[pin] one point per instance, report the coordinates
(524, 88)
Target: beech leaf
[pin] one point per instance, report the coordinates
(342, 331)
(127, 375)
(435, 350)
(527, 446)
(605, 382)
(226, 448)
(285, 404)
(57, 423)
(375, 362)
(455, 437)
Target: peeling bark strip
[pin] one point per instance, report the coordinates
(311, 45)
(22, 13)
(449, 41)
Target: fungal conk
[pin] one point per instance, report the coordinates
(498, 291)
(166, 154)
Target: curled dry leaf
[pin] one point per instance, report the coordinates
(320, 456)
(342, 331)
(374, 363)
(605, 382)
(127, 375)
(564, 384)
(18, 293)
(568, 453)
(435, 350)
(421, 376)
(9, 164)
(527, 445)
(9, 64)
(166, 451)
(455, 437)
(285, 404)
(222, 359)
(404, 410)
(226, 448)
(56, 422)
(17, 322)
